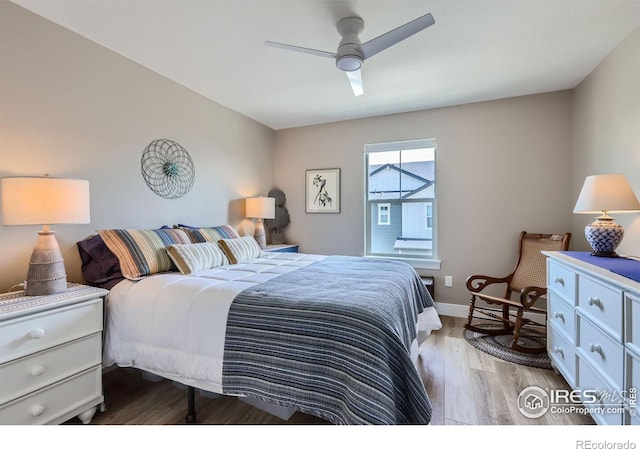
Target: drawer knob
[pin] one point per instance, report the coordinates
(558, 350)
(559, 280)
(37, 370)
(595, 348)
(559, 315)
(36, 334)
(37, 410)
(594, 301)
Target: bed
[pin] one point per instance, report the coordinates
(333, 336)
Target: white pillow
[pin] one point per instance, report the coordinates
(241, 249)
(194, 257)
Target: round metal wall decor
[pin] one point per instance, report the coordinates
(167, 169)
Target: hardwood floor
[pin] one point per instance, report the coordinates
(466, 386)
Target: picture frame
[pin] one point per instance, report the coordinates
(322, 191)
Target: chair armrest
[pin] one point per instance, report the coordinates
(529, 295)
(477, 282)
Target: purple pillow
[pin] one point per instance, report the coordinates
(100, 267)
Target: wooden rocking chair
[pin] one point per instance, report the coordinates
(528, 282)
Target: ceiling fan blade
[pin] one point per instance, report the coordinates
(386, 40)
(355, 79)
(310, 51)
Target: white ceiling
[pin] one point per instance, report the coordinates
(477, 50)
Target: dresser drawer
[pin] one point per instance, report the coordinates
(30, 373)
(632, 322)
(632, 387)
(562, 315)
(602, 351)
(49, 404)
(589, 380)
(602, 304)
(29, 334)
(562, 280)
(562, 353)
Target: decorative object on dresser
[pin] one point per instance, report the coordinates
(322, 191)
(604, 194)
(51, 356)
(527, 283)
(593, 330)
(260, 208)
(45, 201)
(278, 224)
(167, 169)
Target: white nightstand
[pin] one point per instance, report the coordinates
(282, 248)
(51, 356)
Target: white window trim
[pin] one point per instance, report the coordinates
(388, 214)
(431, 264)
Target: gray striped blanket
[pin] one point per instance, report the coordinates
(332, 340)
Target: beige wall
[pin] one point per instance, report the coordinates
(71, 108)
(502, 167)
(607, 132)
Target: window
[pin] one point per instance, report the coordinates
(401, 199)
(384, 213)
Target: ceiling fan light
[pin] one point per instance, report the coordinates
(349, 63)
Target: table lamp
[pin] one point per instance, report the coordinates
(45, 201)
(260, 208)
(604, 194)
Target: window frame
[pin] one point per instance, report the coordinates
(418, 261)
(387, 214)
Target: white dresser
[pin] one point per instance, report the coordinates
(593, 332)
(51, 356)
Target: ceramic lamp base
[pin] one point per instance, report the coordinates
(604, 235)
(260, 235)
(46, 274)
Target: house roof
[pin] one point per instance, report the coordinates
(390, 181)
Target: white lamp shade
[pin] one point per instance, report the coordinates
(606, 193)
(261, 207)
(44, 201)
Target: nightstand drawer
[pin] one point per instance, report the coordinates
(562, 280)
(29, 334)
(48, 405)
(561, 315)
(27, 374)
(602, 304)
(602, 351)
(562, 353)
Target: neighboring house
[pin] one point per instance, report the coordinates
(401, 200)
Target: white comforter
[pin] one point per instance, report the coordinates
(174, 325)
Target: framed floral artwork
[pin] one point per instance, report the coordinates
(323, 191)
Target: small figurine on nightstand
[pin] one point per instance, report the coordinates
(277, 225)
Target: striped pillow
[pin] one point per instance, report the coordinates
(241, 249)
(143, 252)
(196, 257)
(212, 234)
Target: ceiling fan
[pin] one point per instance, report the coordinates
(351, 54)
